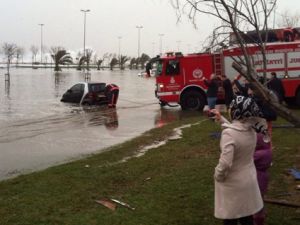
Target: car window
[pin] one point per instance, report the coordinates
(77, 88)
(97, 87)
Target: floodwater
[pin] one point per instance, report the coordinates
(38, 131)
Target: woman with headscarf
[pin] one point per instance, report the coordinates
(237, 194)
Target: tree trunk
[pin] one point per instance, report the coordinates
(267, 96)
(88, 65)
(7, 67)
(56, 68)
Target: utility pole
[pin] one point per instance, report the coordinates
(84, 28)
(41, 24)
(119, 37)
(139, 39)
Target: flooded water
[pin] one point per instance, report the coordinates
(37, 130)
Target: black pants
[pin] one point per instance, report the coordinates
(248, 220)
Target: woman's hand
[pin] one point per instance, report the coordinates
(217, 114)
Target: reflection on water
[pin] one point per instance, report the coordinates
(170, 114)
(7, 88)
(78, 117)
(101, 115)
(37, 130)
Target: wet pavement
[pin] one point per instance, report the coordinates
(38, 131)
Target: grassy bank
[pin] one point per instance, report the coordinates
(169, 185)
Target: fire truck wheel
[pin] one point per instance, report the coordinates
(192, 100)
(162, 104)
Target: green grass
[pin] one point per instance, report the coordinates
(169, 185)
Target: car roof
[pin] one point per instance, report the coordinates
(91, 83)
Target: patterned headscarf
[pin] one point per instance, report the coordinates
(244, 107)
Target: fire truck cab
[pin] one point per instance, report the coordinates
(179, 79)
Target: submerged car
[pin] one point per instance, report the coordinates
(86, 94)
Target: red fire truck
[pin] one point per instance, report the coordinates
(178, 77)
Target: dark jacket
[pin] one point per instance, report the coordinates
(212, 90)
(268, 113)
(276, 86)
(228, 91)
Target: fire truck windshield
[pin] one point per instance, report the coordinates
(172, 67)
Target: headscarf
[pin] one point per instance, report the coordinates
(243, 107)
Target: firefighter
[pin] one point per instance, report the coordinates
(112, 94)
(148, 69)
(275, 84)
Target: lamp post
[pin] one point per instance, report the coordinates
(119, 37)
(273, 4)
(274, 15)
(41, 24)
(84, 28)
(139, 39)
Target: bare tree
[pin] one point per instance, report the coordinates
(237, 16)
(19, 54)
(9, 50)
(34, 50)
(288, 19)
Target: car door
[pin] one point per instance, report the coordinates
(75, 93)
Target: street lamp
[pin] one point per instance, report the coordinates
(160, 43)
(119, 37)
(41, 24)
(84, 29)
(273, 3)
(274, 15)
(139, 39)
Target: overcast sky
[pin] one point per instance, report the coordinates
(106, 21)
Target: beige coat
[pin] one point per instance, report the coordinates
(236, 189)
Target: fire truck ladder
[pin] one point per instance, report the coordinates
(217, 64)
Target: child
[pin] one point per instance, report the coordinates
(262, 161)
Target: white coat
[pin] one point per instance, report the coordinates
(236, 188)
